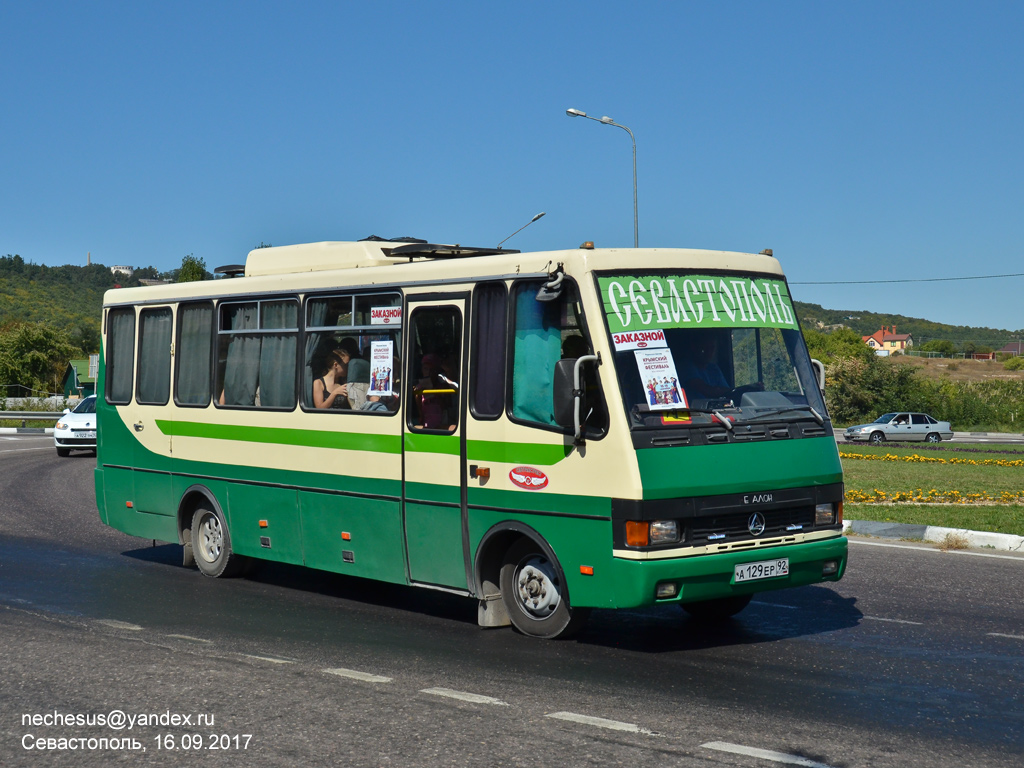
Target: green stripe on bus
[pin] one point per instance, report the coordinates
(349, 441)
(516, 453)
(420, 443)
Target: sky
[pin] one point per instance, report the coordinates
(859, 141)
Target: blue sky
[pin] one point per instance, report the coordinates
(859, 141)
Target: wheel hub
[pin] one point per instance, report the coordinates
(212, 539)
(537, 585)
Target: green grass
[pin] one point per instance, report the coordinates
(909, 477)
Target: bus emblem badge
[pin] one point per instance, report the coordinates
(756, 524)
(529, 478)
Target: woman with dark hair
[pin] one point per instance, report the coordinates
(330, 390)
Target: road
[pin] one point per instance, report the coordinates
(915, 659)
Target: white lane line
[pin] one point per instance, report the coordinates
(893, 621)
(114, 624)
(599, 722)
(22, 450)
(191, 639)
(1000, 634)
(763, 754)
(356, 675)
(936, 549)
(271, 659)
(474, 698)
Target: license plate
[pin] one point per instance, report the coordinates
(91, 434)
(765, 569)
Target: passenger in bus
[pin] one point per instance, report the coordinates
(701, 375)
(328, 390)
(433, 394)
(357, 372)
(574, 346)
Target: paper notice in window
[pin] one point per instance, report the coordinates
(381, 368)
(661, 383)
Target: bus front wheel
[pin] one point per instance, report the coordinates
(535, 596)
(211, 545)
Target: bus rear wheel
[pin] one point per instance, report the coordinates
(534, 594)
(211, 545)
(717, 610)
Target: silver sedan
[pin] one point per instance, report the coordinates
(901, 426)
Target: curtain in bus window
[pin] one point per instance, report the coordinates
(193, 368)
(154, 356)
(315, 317)
(277, 357)
(538, 346)
(120, 355)
(242, 368)
(488, 375)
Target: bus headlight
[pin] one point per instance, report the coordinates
(664, 531)
(825, 514)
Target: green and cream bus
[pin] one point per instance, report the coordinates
(543, 432)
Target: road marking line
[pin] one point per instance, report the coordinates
(934, 549)
(191, 639)
(271, 659)
(356, 675)
(893, 621)
(474, 698)
(777, 605)
(599, 722)
(22, 450)
(1000, 634)
(114, 624)
(763, 754)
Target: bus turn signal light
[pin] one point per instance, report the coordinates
(587, 570)
(637, 533)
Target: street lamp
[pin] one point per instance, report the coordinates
(608, 121)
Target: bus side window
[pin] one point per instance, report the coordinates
(434, 370)
(545, 332)
(120, 355)
(487, 364)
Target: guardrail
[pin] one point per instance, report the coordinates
(30, 416)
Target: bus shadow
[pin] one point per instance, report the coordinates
(770, 617)
(333, 585)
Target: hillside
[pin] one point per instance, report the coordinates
(864, 323)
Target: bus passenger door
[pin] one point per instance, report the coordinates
(434, 447)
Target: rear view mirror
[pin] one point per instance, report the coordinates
(564, 402)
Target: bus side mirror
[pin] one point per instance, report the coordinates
(564, 401)
(819, 374)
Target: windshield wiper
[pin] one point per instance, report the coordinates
(776, 411)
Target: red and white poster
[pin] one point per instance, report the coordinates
(660, 380)
(385, 315)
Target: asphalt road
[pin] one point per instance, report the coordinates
(915, 659)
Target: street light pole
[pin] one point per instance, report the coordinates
(608, 121)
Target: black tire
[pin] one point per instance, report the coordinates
(63, 452)
(211, 545)
(877, 437)
(717, 610)
(534, 593)
(933, 437)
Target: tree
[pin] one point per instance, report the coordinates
(34, 356)
(942, 346)
(840, 344)
(192, 269)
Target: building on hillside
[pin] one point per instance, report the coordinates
(887, 342)
(1013, 349)
(122, 270)
(80, 377)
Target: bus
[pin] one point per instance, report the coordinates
(545, 433)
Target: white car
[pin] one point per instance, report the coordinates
(76, 429)
(901, 426)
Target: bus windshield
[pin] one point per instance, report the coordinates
(693, 349)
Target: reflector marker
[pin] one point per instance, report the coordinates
(763, 754)
(587, 570)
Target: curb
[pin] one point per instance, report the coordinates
(976, 539)
(26, 430)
